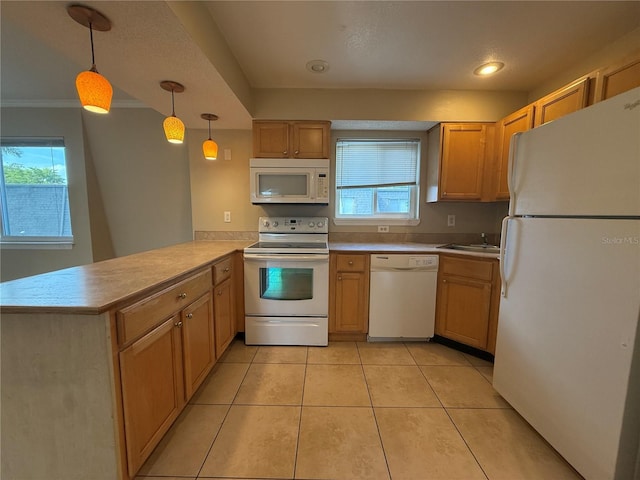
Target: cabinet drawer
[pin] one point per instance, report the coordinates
(140, 317)
(464, 267)
(351, 263)
(222, 270)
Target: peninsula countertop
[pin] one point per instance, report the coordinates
(96, 287)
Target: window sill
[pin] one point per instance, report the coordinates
(36, 245)
(376, 221)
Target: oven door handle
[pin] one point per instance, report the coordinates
(320, 257)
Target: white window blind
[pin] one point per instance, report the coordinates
(376, 163)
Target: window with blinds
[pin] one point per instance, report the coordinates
(377, 180)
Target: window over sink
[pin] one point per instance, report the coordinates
(377, 180)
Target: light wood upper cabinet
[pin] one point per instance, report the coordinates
(618, 78)
(519, 121)
(466, 301)
(567, 100)
(291, 139)
(458, 155)
(349, 294)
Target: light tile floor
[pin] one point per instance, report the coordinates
(352, 411)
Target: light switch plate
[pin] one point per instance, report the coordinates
(227, 217)
(451, 220)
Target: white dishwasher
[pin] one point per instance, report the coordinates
(402, 296)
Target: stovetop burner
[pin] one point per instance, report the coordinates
(280, 235)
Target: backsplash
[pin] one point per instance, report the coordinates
(365, 237)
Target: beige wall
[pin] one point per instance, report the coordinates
(625, 47)
(60, 122)
(223, 185)
(143, 179)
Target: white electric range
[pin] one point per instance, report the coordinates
(286, 282)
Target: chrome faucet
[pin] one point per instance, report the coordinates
(484, 239)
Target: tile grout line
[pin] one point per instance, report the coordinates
(375, 418)
(215, 437)
(304, 382)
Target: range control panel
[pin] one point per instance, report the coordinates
(293, 224)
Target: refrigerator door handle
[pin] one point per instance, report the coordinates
(503, 256)
(511, 172)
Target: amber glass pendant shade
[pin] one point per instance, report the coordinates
(94, 91)
(173, 129)
(210, 149)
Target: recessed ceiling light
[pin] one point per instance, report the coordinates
(317, 66)
(488, 68)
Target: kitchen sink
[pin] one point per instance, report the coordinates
(483, 248)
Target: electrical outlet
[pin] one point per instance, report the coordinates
(227, 217)
(383, 228)
(451, 220)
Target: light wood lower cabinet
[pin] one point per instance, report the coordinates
(467, 307)
(161, 369)
(197, 342)
(349, 295)
(224, 273)
(152, 389)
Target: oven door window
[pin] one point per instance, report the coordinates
(277, 283)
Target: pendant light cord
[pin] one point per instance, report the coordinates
(93, 58)
(173, 110)
(209, 129)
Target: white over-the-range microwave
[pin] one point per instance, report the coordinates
(289, 180)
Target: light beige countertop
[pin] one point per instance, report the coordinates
(95, 288)
(359, 247)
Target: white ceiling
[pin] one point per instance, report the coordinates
(222, 51)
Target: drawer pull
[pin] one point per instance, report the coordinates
(179, 324)
(219, 292)
(182, 296)
(189, 315)
(226, 270)
(350, 262)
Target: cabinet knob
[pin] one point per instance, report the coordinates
(285, 152)
(226, 270)
(179, 324)
(182, 296)
(296, 152)
(444, 281)
(219, 292)
(189, 315)
(339, 278)
(350, 262)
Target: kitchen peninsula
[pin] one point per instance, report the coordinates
(75, 341)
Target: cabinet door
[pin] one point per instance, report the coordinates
(198, 342)
(152, 390)
(224, 318)
(462, 161)
(271, 139)
(519, 121)
(351, 302)
(617, 79)
(562, 102)
(310, 140)
(463, 310)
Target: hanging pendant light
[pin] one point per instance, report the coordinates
(173, 126)
(209, 147)
(94, 90)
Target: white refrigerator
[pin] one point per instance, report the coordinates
(568, 348)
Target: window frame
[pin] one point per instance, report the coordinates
(33, 241)
(412, 218)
